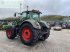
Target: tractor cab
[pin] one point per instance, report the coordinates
(34, 14)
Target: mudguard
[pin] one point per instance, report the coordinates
(33, 22)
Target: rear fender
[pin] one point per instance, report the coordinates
(34, 23)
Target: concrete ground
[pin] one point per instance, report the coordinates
(58, 41)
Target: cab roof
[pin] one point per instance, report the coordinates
(35, 11)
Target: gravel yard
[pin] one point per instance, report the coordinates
(58, 41)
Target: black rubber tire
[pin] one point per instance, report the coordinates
(45, 36)
(34, 35)
(13, 33)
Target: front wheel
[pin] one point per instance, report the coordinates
(45, 36)
(10, 33)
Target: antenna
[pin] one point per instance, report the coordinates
(20, 7)
(27, 7)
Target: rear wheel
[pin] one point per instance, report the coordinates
(28, 34)
(11, 33)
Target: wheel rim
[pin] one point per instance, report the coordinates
(8, 32)
(26, 33)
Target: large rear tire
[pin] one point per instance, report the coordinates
(10, 33)
(28, 34)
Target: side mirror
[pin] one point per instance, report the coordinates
(14, 14)
(20, 13)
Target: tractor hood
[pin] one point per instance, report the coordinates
(43, 23)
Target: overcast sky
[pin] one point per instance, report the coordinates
(47, 7)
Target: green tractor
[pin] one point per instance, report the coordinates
(29, 27)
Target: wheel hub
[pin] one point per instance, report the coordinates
(8, 32)
(26, 33)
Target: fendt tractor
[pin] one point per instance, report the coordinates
(30, 28)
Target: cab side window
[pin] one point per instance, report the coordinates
(23, 15)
